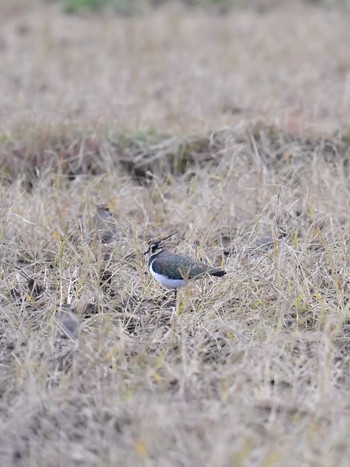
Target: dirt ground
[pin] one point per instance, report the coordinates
(226, 129)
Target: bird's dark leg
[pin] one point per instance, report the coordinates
(175, 295)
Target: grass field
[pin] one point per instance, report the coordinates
(226, 128)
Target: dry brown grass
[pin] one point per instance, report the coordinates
(174, 70)
(249, 369)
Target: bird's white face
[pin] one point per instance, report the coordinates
(154, 247)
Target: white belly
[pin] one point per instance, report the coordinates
(170, 283)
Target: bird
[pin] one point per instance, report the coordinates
(173, 270)
(265, 244)
(68, 324)
(103, 224)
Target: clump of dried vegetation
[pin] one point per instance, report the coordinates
(99, 366)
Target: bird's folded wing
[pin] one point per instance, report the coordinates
(181, 267)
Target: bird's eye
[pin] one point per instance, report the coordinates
(154, 247)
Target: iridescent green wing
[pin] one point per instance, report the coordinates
(178, 267)
(190, 269)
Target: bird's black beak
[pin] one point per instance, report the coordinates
(145, 253)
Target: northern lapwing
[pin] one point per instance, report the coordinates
(173, 270)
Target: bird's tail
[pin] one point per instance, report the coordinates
(217, 272)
